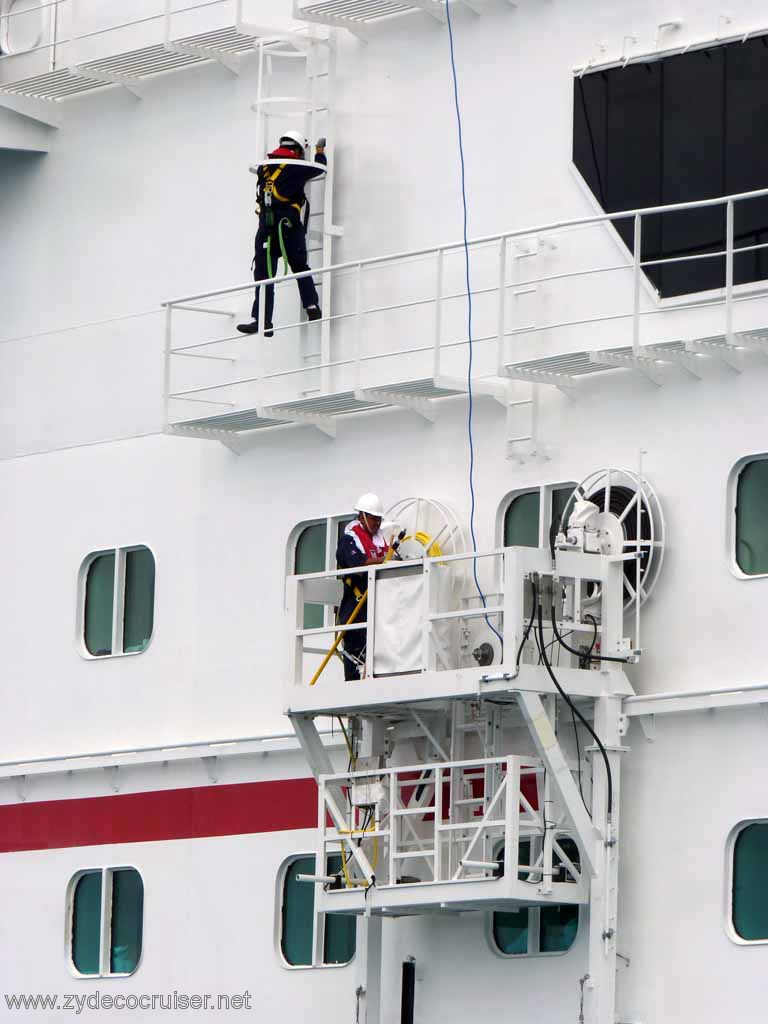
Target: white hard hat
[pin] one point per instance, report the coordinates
(294, 136)
(370, 503)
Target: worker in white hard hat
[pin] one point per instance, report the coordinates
(283, 215)
(361, 544)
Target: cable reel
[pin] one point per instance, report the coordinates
(431, 529)
(615, 512)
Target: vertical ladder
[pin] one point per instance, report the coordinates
(311, 110)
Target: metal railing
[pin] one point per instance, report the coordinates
(425, 617)
(456, 821)
(71, 17)
(499, 295)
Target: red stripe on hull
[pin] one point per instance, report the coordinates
(166, 814)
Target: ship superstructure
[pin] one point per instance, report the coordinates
(542, 798)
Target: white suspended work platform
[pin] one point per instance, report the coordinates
(65, 48)
(463, 835)
(396, 334)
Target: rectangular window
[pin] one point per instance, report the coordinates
(117, 598)
(106, 909)
(749, 893)
(297, 919)
(530, 515)
(752, 518)
(314, 550)
(677, 129)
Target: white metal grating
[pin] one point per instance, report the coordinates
(340, 404)
(228, 40)
(356, 15)
(425, 387)
(53, 85)
(233, 422)
(137, 64)
(563, 370)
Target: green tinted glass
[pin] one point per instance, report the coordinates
(99, 603)
(557, 928)
(340, 929)
(752, 518)
(560, 498)
(521, 523)
(750, 891)
(310, 557)
(127, 920)
(86, 923)
(297, 914)
(510, 931)
(139, 610)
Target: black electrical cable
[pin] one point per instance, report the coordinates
(580, 654)
(529, 626)
(575, 710)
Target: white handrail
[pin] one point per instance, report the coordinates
(482, 240)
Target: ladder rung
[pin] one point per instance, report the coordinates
(413, 853)
(472, 824)
(413, 810)
(469, 800)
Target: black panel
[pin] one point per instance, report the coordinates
(692, 126)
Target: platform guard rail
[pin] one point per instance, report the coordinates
(577, 293)
(435, 825)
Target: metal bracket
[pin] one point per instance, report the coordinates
(211, 765)
(113, 774)
(97, 75)
(421, 406)
(45, 111)
(229, 61)
(648, 725)
(20, 785)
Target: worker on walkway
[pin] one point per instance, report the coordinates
(282, 229)
(362, 544)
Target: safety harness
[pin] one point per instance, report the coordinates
(371, 547)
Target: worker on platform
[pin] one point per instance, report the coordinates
(362, 544)
(282, 228)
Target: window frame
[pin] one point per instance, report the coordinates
(731, 538)
(730, 848)
(105, 921)
(318, 919)
(534, 934)
(545, 492)
(118, 602)
(534, 928)
(671, 301)
(332, 524)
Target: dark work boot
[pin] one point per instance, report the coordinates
(314, 313)
(253, 328)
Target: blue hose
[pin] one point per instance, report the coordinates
(470, 411)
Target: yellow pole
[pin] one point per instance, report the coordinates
(339, 638)
(350, 620)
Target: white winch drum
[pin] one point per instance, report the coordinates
(630, 519)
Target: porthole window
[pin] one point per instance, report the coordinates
(528, 514)
(749, 887)
(336, 938)
(105, 922)
(117, 601)
(751, 516)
